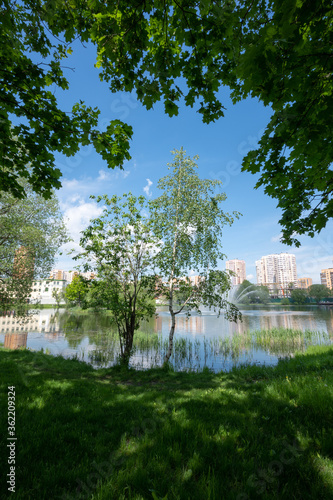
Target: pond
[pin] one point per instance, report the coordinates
(200, 341)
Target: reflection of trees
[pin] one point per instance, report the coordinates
(97, 327)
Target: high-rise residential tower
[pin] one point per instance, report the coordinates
(277, 271)
(238, 266)
(326, 277)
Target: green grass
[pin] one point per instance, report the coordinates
(256, 432)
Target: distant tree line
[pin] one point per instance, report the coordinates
(249, 293)
(318, 293)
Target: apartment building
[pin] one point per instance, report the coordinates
(304, 283)
(277, 272)
(237, 266)
(59, 274)
(326, 277)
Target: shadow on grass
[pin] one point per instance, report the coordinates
(121, 434)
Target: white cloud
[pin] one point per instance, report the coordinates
(147, 188)
(276, 238)
(103, 175)
(70, 184)
(77, 217)
(250, 277)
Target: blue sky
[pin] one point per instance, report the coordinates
(220, 146)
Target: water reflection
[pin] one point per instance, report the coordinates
(201, 340)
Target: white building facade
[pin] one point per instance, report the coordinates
(42, 291)
(277, 272)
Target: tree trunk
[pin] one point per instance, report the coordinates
(127, 349)
(171, 334)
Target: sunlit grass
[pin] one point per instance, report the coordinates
(256, 432)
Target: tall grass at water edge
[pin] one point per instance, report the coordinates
(188, 353)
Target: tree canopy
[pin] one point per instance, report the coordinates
(319, 292)
(279, 51)
(31, 232)
(32, 125)
(77, 290)
(299, 296)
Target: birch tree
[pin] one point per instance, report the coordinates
(188, 219)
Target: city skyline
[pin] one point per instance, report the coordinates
(273, 268)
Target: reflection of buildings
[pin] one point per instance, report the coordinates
(238, 267)
(277, 272)
(193, 324)
(15, 340)
(42, 322)
(304, 283)
(326, 277)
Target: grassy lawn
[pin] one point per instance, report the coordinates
(122, 434)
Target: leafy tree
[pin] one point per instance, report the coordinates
(318, 292)
(120, 247)
(278, 51)
(299, 296)
(58, 296)
(76, 291)
(285, 301)
(188, 219)
(31, 232)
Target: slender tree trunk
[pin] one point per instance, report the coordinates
(171, 289)
(171, 334)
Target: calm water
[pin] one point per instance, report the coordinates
(199, 341)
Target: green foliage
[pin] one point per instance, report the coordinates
(299, 296)
(31, 232)
(279, 52)
(188, 220)
(58, 296)
(319, 292)
(76, 291)
(33, 128)
(120, 247)
(285, 301)
(287, 63)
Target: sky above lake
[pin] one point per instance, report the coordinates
(221, 147)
